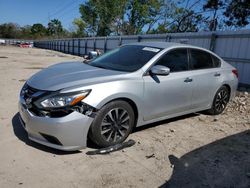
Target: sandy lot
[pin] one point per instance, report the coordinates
(196, 150)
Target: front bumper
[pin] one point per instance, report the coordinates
(70, 131)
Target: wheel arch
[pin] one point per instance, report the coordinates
(228, 87)
(131, 103)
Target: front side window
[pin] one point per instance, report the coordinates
(128, 58)
(175, 60)
(200, 59)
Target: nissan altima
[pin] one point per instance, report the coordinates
(133, 85)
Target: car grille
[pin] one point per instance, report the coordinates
(30, 95)
(28, 92)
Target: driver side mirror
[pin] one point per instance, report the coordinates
(160, 70)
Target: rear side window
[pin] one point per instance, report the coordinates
(201, 59)
(175, 60)
(216, 61)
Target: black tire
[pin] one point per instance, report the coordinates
(220, 101)
(117, 128)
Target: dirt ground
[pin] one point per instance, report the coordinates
(196, 150)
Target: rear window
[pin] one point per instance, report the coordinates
(201, 59)
(126, 58)
(216, 61)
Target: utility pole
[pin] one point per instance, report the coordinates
(48, 17)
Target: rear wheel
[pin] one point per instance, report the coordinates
(220, 101)
(112, 124)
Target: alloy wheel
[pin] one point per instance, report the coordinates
(221, 100)
(115, 125)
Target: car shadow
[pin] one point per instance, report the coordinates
(92, 145)
(22, 135)
(223, 163)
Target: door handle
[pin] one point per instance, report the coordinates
(188, 80)
(217, 74)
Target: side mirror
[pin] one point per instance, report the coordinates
(92, 54)
(160, 70)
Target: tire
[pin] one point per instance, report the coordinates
(220, 101)
(107, 129)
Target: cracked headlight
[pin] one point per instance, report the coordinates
(64, 99)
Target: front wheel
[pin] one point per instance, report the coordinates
(220, 101)
(112, 124)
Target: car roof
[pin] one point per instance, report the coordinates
(165, 45)
(160, 44)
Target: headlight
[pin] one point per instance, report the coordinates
(62, 100)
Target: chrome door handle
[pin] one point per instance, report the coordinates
(217, 74)
(188, 80)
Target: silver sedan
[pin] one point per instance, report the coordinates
(132, 85)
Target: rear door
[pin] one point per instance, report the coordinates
(206, 75)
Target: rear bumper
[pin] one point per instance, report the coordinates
(234, 86)
(68, 133)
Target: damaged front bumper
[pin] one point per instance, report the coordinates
(65, 133)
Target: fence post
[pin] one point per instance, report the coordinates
(105, 45)
(94, 44)
(73, 46)
(86, 46)
(68, 46)
(79, 49)
(63, 46)
(212, 42)
(120, 41)
(168, 38)
(139, 38)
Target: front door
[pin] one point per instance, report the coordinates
(171, 94)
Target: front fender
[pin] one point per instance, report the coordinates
(103, 93)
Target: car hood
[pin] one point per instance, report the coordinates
(70, 74)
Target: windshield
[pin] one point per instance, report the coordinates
(126, 58)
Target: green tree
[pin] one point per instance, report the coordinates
(38, 31)
(99, 16)
(214, 6)
(185, 20)
(9, 30)
(238, 13)
(176, 18)
(25, 32)
(80, 27)
(141, 13)
(55, 28)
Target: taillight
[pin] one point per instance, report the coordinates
(235, 72)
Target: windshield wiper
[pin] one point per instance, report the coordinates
(109, 68)
(99, 66)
